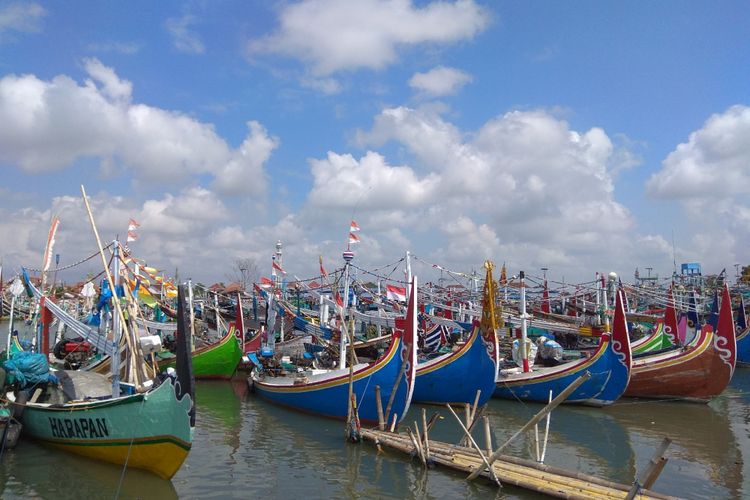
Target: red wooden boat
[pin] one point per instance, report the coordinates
(696, 372)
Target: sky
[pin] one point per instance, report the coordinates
(579, 137)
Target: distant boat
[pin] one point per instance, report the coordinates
(743, 334)
(325, 392)
(698, 371)
(215, 361)
(609, 366)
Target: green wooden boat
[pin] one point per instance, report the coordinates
(656, 341)
(215, 361)
(150, 431)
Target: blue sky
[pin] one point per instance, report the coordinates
(578, 136)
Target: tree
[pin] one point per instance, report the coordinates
(244, 271)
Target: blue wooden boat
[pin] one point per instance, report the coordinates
(326, 392)
(609, 366)
(743, 335)
(455, 377)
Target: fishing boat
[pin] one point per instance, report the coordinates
(456, 376)
(609, 366)
(326, 391)
(151, 429)
(696, 372)
(215, 361)
(128, 418)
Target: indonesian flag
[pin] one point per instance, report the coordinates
(278, 268)
(322, 269)
(353, 227)
(393, 292)
(353, 238)
(132, 236)
(132, 224)
(266, 282)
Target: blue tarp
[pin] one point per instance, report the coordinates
(28, 368)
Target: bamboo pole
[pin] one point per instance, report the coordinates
(487, 435)
(536, 418)
(393, 422)
(425, 433)
(651, 472)
(476, 447)
(111, 282)
(379, 405)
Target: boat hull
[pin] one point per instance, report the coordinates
(216, 361)
(609, 366)
(327, 394)
(149, 431)
(697, 372)
(456, 377)
(743, 347)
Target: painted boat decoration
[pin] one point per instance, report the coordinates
(655, 341)
(698, 371)
(455, 377)
(609, 365)
(326, 392)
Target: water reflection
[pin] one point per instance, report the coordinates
(35, 471)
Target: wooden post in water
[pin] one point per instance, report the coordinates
(648, 476)
(426, 438)
(476, 447)
(379, 405)
(487, 435)
(536, 418)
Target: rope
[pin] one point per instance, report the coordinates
(130, 449)
(70, 265)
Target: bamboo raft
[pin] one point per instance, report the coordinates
(522, 473)
(526, 474)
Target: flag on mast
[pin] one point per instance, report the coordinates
(132, 236)
(322, 269)
(353, 238)
(278, 268)
(353, 227)
(132, 225)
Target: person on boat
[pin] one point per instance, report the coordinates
(549, 353)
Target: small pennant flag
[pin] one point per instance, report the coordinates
(278, 268)
(394, 292)
(132, 236)
(353, 228)
(322, 269)
(132, 225)
(353, 238)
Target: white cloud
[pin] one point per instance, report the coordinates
(334, 35)
(715, 160)
(440, 81)
(183, 38)
(243, 173)
(710, 176)
(24, 17)
(523, 188)
(58, 122)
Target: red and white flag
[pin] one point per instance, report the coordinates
(393, 292)
(266, 282)
(353, 227)
(278, 268)
(322, 269)
(353, 238)
(132, 236)
(132, 224)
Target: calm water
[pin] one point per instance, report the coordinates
(245, 447)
